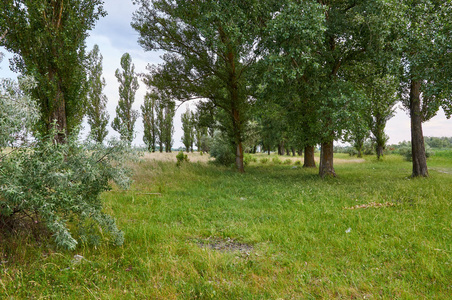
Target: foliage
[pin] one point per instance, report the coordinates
(96, 109)
(405, 150)
(18, 112)
(188, 127)
(59, 184)
(209, 50)
(126, 116)
(264, 160)
(181, 158)
(287, 162)
(148, 110)
(221, 149)
(48, 38)
(276, 160)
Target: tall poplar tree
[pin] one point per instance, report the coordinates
(48, 39)
(96, 110)
(126, 116)
(148, 110)
(188, 136)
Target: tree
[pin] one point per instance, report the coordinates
(383, 96)
(148, 110)
(188, 137)
(314, 50)
(165, 109)
(96, 106)
(168, 128)
(209, 48)
(48, 38)
(126, 117)
(424, 34)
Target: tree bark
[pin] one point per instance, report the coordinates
(58, 115)
(417, 137)
(309, 161)
(379, 149)
(239, 158)
(326, 160)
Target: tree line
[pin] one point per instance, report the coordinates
(331, 69)
(308, 72)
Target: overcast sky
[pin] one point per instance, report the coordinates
(115, 36)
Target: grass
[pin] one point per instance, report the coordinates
(276, 232)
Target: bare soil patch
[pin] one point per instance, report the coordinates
(225, 245)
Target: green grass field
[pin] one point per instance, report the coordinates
(276, 232)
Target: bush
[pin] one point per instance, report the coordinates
(287, 162)
(58, 184)
(221, 150)
(181, 157)
(248, 158)
(406, 152)
(263, 160)
(276, 161)
(298, 163)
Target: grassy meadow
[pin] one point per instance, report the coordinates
(277, 232)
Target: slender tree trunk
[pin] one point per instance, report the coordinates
(326, 160)
(238, 141)
(239, 158)
(293, 151)
(287, 152)
(309, 161)
(268, 151)
(58, 115)
(417, 137)
(379, 150)
(300, 152)
(360, 153)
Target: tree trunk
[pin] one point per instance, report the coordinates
(239, 158)
(417, 137)
(309, 161)
(326, 160)
(58, 115)
(268, 151)
(379, 149)
(287, 152)
(360, 153)
(293, 151)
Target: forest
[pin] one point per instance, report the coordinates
(263, 204)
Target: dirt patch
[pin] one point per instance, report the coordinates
(225, 245)
(442, 170)
(371, 205)
(192, 157)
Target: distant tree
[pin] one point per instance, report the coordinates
(165, 109)
(188, 136)
(168, 127)
(383, 96)
(148, 110)
(96, 110)
(48, 38)
(126, 117)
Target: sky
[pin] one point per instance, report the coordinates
(115, 36)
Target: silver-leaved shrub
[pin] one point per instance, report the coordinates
(56, 184)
